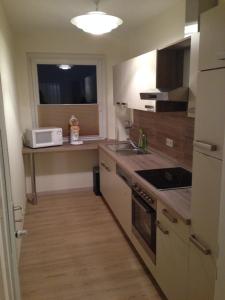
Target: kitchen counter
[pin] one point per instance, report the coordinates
(178, 200)
(87, 145)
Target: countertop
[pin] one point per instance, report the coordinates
(87, 145)
(178, 200)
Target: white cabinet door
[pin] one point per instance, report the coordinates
(107, 176)
(212, 41)
(119, 83)
(140, 76)
(202, 275)
(171, 263)
(206, 185)
(210, 112)
(122, 204)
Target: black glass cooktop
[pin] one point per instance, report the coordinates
(170, 178)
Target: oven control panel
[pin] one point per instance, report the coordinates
(143, 194)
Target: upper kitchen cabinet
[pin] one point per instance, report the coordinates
(133, 76)
(159, 73)
(212, 45)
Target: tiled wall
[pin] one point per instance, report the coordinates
(159, 126)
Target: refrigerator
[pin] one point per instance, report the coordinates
(207, 156)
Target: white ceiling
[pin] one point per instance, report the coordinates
(28, 15)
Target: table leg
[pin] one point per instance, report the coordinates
(34, 199)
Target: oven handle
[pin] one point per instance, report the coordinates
(142, 205)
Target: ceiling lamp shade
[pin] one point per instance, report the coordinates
(96, 22)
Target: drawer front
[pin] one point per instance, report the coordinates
(169, 219)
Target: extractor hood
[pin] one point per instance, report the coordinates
(162, 100)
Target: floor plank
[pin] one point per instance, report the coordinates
(75, 251)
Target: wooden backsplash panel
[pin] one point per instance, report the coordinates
(159, 126)
(59, 115)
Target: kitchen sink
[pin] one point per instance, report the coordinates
(126, 149)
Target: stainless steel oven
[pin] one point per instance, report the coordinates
(144, 220)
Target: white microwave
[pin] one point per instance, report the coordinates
(43, 137)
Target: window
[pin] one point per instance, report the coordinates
(67, 84)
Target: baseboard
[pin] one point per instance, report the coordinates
(62, 192)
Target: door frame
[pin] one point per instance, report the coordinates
(9, 261)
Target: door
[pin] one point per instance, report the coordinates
(122, 200)
(210, 113)
(171, 263)
(8, 256)
(9, 278)
(202, 275)
(206, 186)
(119, 81)
(212, 42)
(140, 77)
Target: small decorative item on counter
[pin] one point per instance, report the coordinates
(74, 131)
(142, 143)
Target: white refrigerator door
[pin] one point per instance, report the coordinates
(212, 41)
(204, 229)
(210, 113)
(206, 186)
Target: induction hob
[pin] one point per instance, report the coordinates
(169, 178)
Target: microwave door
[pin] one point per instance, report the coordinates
(44, 138)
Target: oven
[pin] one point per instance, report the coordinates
(144, 220)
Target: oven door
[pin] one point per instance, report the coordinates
(144, 224)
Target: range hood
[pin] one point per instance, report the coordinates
(173, 66)
(161, 100)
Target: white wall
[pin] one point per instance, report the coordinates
(159, 31)
(65, 171)
(11, 112)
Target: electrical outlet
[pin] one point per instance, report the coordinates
(169, 143)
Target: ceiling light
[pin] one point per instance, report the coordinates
(65, 67)
(96, 22)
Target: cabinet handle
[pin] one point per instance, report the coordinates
(105, 167)
(169, 216)
(199, 245)
(205, 146)
(161, 228)
(150, 107)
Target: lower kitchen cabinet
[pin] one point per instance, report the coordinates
(116, 192)
(122, 204)
(171, 260)
(202, 275)
(107, 176)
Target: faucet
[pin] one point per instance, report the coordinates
(132, 143)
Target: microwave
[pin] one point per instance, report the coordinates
(43, 137)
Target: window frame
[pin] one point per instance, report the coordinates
(72, 59)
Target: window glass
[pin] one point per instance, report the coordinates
(67, 84)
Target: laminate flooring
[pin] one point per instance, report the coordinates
(75, 251)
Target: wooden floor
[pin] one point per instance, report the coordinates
(75, 251)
